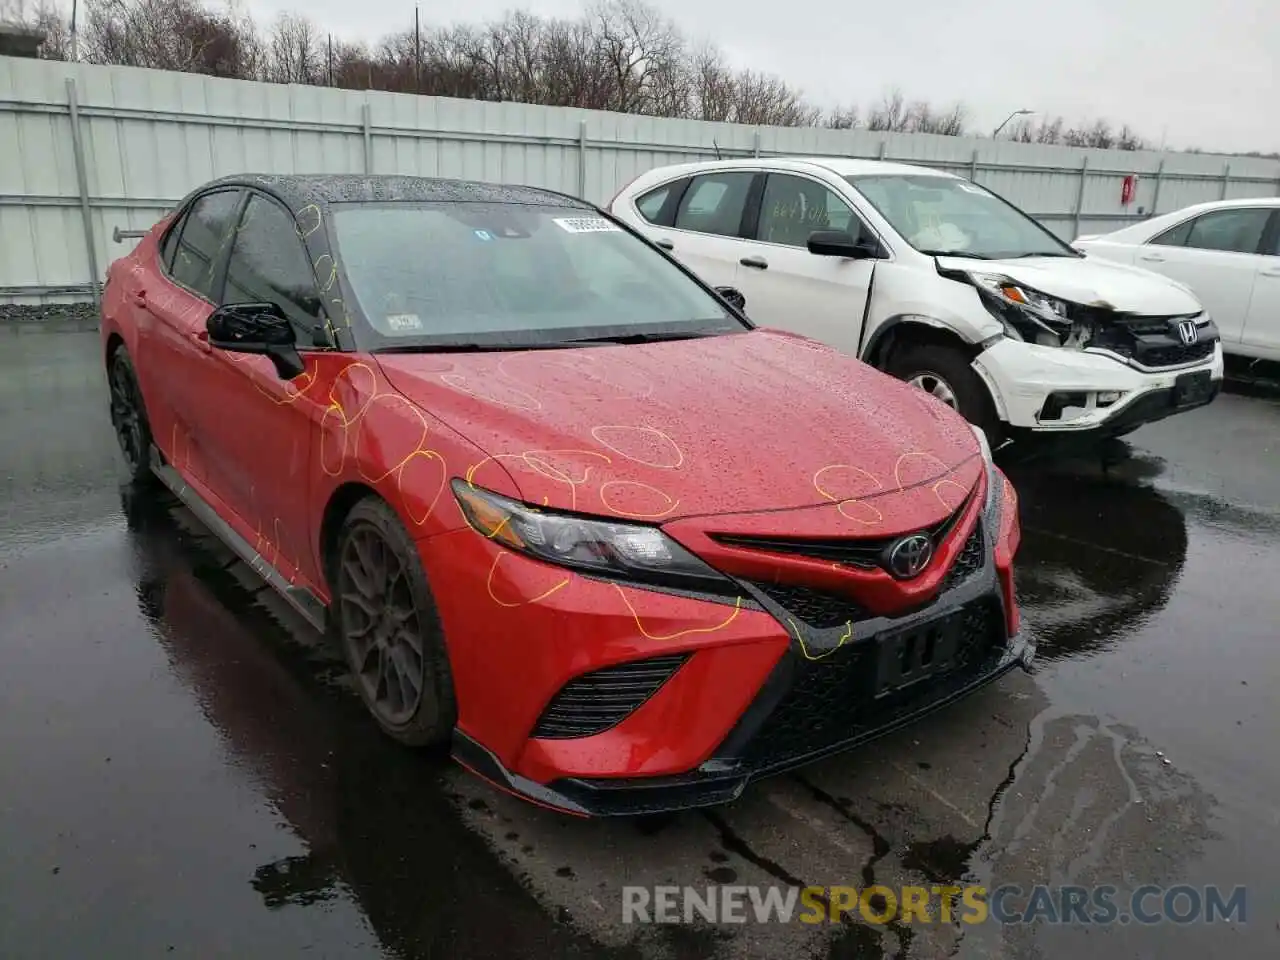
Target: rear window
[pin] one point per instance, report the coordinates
(438, 273)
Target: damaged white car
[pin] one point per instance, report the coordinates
(940, 282)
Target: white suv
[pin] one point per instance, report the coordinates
(936, 280)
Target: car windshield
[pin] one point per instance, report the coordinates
(479, 275)
(947, 216)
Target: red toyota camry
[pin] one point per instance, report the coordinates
(564, 508)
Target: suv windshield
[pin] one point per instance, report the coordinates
(946, 216)
(477, 275)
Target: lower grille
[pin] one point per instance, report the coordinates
(1173, 355)
(596, 701)
(970, 560)
(815, 608)
(833, 700)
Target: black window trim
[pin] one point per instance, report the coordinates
(1268, 231)
(853, 208)
(180, 224)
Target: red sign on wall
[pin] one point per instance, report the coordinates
(1128, 190)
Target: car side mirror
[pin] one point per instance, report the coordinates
(841, 243)
(734, 297)
(260, 328)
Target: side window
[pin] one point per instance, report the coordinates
(1176, 237)
(1238, 230)
(269, 264)
(714, 203)
(794, 207)
(650, 205)
(205, 233)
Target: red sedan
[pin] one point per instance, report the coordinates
(566, 510)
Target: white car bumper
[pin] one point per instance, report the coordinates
(1023, 376)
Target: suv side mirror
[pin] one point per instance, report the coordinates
(260, 328)
(841, 243)
(734, 297)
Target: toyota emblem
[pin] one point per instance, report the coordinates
(909, 556)
(1188, 332)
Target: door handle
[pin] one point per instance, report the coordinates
(201, 338)
(665, 244)
(139, 298)
(759, 263)
(1152, 258)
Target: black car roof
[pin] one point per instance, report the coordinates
(303, 190)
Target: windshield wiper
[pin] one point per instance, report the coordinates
(467, 347)
(471, 346)
(955, 253)
(644, 337)
(1056, 253)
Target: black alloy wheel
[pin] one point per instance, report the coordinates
(389, 630)
(129, 416)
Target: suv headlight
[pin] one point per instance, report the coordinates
(618, 551)
(1025, 313)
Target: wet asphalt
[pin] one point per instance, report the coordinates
(184, 771)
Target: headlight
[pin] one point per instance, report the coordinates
(1026, 314)
(618, 551)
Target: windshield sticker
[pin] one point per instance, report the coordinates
(403, 322)
(483, 235)
(586, 225)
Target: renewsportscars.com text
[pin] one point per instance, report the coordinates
(1008, 904)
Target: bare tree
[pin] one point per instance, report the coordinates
(639, 45)
(890, 115)
(293, 51)
(169, 35)
(843, 118)
(621, 55)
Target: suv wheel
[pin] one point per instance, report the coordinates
(946, 373)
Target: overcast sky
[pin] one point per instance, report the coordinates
(1200, 73)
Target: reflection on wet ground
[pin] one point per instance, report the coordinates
(186, 773)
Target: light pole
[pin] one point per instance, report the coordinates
(1017, 113)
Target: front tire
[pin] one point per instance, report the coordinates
(389, 630)
(129, 416)
(946, 373)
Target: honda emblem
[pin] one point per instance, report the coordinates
(1188, 332)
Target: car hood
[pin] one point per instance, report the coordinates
(757, 421)
(1091, 282)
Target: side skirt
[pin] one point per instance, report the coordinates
(308, 605)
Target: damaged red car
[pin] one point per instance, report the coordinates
(568, 513)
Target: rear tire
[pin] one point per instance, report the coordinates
(129, 417)
(946, 373)
(388, 628)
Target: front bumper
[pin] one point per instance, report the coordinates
(1023, 377)
(750, 700)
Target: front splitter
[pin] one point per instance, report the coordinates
(710, 785)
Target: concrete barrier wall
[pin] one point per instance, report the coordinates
(86, 150)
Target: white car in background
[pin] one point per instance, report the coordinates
(936, 280)
(1227, 252)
